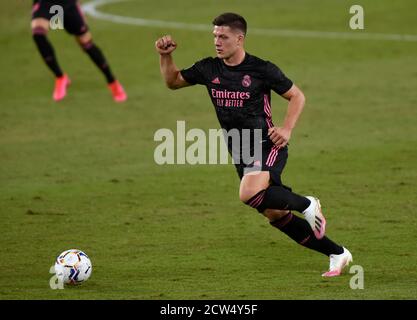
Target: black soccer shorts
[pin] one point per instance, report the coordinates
(74, 21)
(273, 160)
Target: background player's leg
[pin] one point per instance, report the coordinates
(86, 42)
(96, 55)
(40, 27)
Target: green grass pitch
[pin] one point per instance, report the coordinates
(81, 173)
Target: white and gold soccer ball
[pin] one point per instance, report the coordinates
(73, 267)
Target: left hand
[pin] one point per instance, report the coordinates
(279, 136)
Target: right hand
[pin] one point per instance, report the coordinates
(165, 45)
(279, 136)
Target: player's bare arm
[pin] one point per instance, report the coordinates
(281, 135)
(172, 75)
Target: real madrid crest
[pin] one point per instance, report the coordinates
(246, 82)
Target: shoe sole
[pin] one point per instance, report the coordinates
(319, 230)
(57, 99)
(122, 99)
(338, 272)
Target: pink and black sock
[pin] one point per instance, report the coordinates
(46, 50)
(278, 197)
(300, 231)
(99, 60)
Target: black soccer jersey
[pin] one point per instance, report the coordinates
(240, 94)
(59, 2)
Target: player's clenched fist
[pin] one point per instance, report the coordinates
(165, 45)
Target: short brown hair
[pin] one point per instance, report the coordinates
(232, 20)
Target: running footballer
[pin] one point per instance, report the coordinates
(239, 85)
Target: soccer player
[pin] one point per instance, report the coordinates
(240, 85)
(74, 24)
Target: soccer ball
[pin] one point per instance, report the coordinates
(73, 267)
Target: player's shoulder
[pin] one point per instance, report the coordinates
(270, 67)
(207, 64)
(260, 63)
(255, 60)
(208, 61)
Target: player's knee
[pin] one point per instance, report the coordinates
(253, 187)
(247, 193)
(85, 41)
(274, 215)
(39, 26)
(39, 32)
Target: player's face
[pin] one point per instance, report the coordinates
(226, 41)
